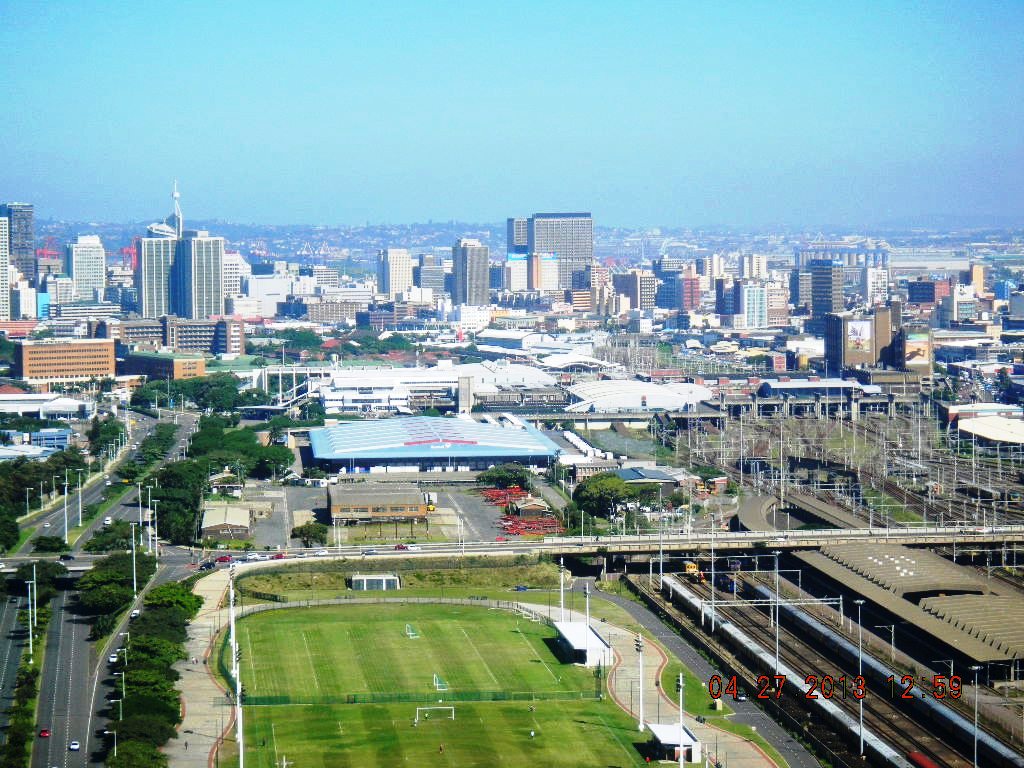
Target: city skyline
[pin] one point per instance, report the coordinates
(651, 115)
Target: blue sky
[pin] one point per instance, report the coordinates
(680, 113)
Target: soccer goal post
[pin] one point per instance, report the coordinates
(410, 632)
(439, 683)
(423, 713)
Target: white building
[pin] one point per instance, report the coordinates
(753, 266)
(515, 272)
(875, 285)
(754, 305)
(394, 271)
(5, 264)
(85, 262)
(268, 290)
(236, 271)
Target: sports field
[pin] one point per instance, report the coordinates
(395, 658)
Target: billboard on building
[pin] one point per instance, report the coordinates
(859, 337)
(917, 349)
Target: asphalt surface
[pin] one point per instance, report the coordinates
(745, 711)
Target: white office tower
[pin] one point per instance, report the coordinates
(515, 272)
(23, 302)
(394, 272)
(569, 236)
(5, 269)
(197, 277)
(754, 305)
(153, 277)
(711, 266)
(85, 262)
(875, 285)
(753, 266)
(236, 269)
(61, 290)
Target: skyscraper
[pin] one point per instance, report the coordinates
(197, 276)
(471, 273)
(5, 260)
(85, 262)
(569, 236)
(153, 279)
(21, 237)
(236, 269)
(826, 287)
(518, 237)
(394, 271)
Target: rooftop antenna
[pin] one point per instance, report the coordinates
(179, 222)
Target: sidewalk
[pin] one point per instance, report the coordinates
(208, 712)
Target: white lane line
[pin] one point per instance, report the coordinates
(312, 666)
(479, 655)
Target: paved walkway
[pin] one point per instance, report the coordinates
(208, 712)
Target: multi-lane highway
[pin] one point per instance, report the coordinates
(76, 678)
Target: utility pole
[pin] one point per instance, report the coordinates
(681, 690)
(638, 643)
(135, 586)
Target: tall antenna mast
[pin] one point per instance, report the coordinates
(179, 221)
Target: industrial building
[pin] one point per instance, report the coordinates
(363, 502)
(425, 444)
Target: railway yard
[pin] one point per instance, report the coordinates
(934, 639)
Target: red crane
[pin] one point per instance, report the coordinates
(48, 251)
(130, 254)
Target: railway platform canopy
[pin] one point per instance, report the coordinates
(909, 573)
(994, 619)
(942, 633)
(994, 429)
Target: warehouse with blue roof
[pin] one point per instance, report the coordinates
(428, 444)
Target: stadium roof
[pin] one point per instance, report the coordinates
(410, 439)
(610, 396)
(998, 429)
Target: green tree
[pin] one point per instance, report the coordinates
(507, 475)
(174, 595)
(136, 754)
(310, 533)
(49, 544)
(597, 495)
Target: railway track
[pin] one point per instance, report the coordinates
(882, 715)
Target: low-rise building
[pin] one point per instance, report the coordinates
(50, 361)
(163, 366)
(226, 521)
(351, 503)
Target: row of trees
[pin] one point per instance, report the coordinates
(103, 432)
(150, 710)
(238, 448)
(106, 590)
(217, 392)
(23, 480)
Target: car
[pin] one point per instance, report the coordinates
(401, 547)
(369, 552)
(135, 613)
(320, 553)
(65, 556)
(253, 556)
(13, 600)
(46, 525)
(112, 658)
(414, 547)
(225, 559)
(108, 520)
(105, 482)
(74, 746)
(209, 565)
(741, 696)
(519, 588)
(44, 733)
(278, 556)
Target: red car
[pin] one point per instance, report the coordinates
(401, 546)
(44, 733)
(225, 559)
(278, 556)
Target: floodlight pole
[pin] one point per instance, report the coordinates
(777, 612)
(586, 592)
(975, 669)
(135, 585)
(561, 589)
(681, 685)
(638, 643)
(236, 669)
(860, 672)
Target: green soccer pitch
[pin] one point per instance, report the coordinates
(311, 660)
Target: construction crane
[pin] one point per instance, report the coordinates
(130, 254)
(48, 251)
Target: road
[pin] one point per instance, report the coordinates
(76, 677)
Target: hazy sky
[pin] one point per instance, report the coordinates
(678, 113)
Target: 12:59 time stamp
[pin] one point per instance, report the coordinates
(905, 688)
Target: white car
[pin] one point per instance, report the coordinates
(414, 548)
(46, 525)
(321, 553)
(74, 746)
(253, 556)
(112, 658)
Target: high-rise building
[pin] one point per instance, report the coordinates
(826, 287)
(569, 236)
(153, 278)
(875, 285)
(640, 286)
(516, 272)
(711, 266)
(394, 271)
(974, 275)
(753, 304)
(471, 274)
(5, 261)
(85, 262)
(237, 269)
(753, 266)
(21, 236)
(197, 276)
(777, 296)
(518, 237)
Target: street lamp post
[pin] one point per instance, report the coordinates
(65, 511)
(777, 611)
(26, 502)
(79, 471)
(860, 673)
(638, 643)
(120, 708)
(124, 693)
(975, 669)
(135, 586)
(681, 690)
(114, 733)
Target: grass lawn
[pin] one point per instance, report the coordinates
(318, 656)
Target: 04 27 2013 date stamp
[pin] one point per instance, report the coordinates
(840, 687)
